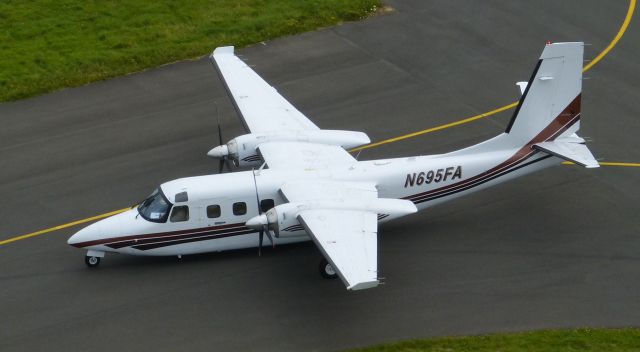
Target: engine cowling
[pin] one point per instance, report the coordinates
(283, 220)
(243, 150)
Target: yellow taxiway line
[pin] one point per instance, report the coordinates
(63, 226)
(616, 39)
(608, 163)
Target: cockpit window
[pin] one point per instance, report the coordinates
(155, 208)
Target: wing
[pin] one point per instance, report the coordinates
(283, 136)
(348, 240)
(259, 105)
(305, 156)
(342, 219)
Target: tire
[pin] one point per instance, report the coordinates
(326, 270)
(92, 262)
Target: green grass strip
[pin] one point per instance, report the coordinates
(50, 44)
(577, 340)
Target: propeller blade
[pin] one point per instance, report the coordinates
(260, 239)
(273, 244)
(218, 121)
(219, 133)
(221, 165)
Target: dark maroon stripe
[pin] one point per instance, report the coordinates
(565, 119)
(438, 193)
(130, 243)
(432, 197)
(146, 247)
(150, 235)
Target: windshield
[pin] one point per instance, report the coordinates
(155, 208)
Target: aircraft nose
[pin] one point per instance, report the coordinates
(84, 237)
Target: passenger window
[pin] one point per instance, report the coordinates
(213, 211)
(180, 213)
(266, 204)
(239, 208)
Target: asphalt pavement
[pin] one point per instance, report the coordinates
(559, 248)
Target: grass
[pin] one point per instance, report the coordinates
(50, 44)
(609, 340)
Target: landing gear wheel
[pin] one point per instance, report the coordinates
(92, 262)
(326, 270)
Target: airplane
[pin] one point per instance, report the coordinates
(305, 185)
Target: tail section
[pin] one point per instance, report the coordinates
(548, 113)
(551, 99)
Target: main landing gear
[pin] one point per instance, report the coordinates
(326, 269)
(93, 258)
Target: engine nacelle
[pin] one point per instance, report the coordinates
(283, 220)
(243, 150)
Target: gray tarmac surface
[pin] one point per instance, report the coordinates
(560, 248)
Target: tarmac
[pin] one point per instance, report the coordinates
(559, 248)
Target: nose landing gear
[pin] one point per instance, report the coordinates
(92, 262)
(93, 258)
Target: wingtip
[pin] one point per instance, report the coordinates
(223, 50)
(363, 285)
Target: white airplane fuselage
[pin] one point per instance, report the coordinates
(425, 180)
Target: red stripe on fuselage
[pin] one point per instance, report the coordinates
(159, 235)
(569, 116)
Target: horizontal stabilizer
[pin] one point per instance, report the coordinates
(570, 148)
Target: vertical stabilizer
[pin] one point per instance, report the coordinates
(550, 104)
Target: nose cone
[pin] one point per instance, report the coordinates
(257, 222)
(85, 237)
(219, 152)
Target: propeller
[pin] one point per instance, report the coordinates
(260, 221)
(221, 163)
(221, 151)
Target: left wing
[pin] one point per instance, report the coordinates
(305, 156)
(283, 136)
(259, 105)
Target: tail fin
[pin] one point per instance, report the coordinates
(548, 113)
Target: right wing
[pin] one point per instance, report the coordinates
(259, 105)
(349, 241)
(342, 219)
